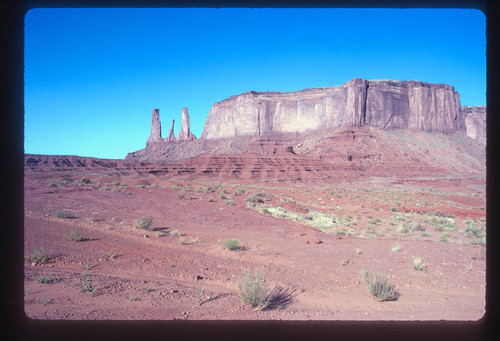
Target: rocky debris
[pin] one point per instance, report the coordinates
(155, 128)
(475, 122)
(185, 133)
(379, 103)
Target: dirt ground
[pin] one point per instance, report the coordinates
(179, 269)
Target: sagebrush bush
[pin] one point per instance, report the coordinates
(378, 286)
(75, 236)
(63, 214)
(143, 223)
(39, 256)
(419, 265)
(231, 244)
(254, 290)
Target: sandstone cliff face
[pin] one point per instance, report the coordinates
(380, 103)
(475, 122)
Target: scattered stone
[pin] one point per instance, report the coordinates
(318, 241)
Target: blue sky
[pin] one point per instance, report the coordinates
(93, 76)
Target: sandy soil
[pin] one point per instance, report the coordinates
(128, 273)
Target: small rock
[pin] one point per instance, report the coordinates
(198, 277)
(145, 236)
(307, 242)
(302, 234)
(319, 241)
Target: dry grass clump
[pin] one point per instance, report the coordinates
(143, 223)
(63, 214)
(378, 286)
(39, 256)
(75, 236)
(254, 290)
(231, 244)
(419, 265)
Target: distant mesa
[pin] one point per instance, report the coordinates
(382, 104)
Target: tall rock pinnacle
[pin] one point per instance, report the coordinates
(185, 133)
(155, 128)
(171, 136)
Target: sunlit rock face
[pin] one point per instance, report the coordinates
(379, 103)
(185, 133)
(475, 122)
(155, 128)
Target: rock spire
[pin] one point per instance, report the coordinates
(155, 128)
(185, 133)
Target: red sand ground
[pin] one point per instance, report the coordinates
(160, 276)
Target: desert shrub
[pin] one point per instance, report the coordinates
(143, 223)
(403, 229)
(258, 197)
(63, 214)
(210, 189)
(175, 233)
(229, 202)
(239, 191)
(378, 286)
(39, 256)
(211, 199)
(85, 181)
(86, 285)
(480, 241)
(199, 189)
(394, 209)
(419, 227)
(231, 244)
(265, 210)
(45, 279)
(473, 231)
(321, 220)
(439, 214)
(110, 254)
(419, 265)
(75, 236)
(254, 290)
(396, 248)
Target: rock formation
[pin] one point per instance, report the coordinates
(380, 103)
(272, 122)
(171, 135)
(185, 133)
(475, 122)
(155, 128)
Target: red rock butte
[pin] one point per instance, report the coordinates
(381, 104)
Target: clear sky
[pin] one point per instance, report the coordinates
(93, 76)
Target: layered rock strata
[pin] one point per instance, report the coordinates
(379, 103)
